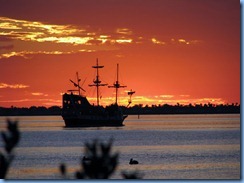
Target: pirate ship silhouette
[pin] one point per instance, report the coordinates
(78, 112)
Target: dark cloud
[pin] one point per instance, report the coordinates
(7, 47)
(5, 38)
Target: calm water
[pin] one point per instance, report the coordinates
(166, 146)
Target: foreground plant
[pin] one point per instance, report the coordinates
(98, 163)
(10, 139)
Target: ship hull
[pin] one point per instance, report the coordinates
(93, 121)
(78, 112)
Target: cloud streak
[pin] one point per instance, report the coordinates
(49, 102)
(160, 100)
(27, 36)
(39, 94)
(13, 86)
(27, 54)
(29, 33)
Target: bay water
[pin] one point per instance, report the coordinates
(166, 146)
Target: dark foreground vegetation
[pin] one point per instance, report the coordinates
(98, 161)
(10, 139)
(134, 110)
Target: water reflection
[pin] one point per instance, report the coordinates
(167, 146)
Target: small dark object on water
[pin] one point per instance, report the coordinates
(62, 168)
(133, 162)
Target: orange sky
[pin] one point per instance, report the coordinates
(169, 51)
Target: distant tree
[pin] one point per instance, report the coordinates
(54, 110)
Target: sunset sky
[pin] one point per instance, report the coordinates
(168, 51)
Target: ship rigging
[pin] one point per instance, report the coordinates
(78, 112)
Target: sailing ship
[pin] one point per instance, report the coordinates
(78, 112)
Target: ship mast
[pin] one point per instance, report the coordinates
(130, 93)
(97, 82)
(117, 85)
(78, 81)
(77, 84)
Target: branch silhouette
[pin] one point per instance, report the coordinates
(10, 139)
(98, 163)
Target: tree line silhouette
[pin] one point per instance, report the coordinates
(134, 110)
(185, 109)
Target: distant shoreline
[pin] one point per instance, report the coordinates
(125, 114)
(135, 110)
